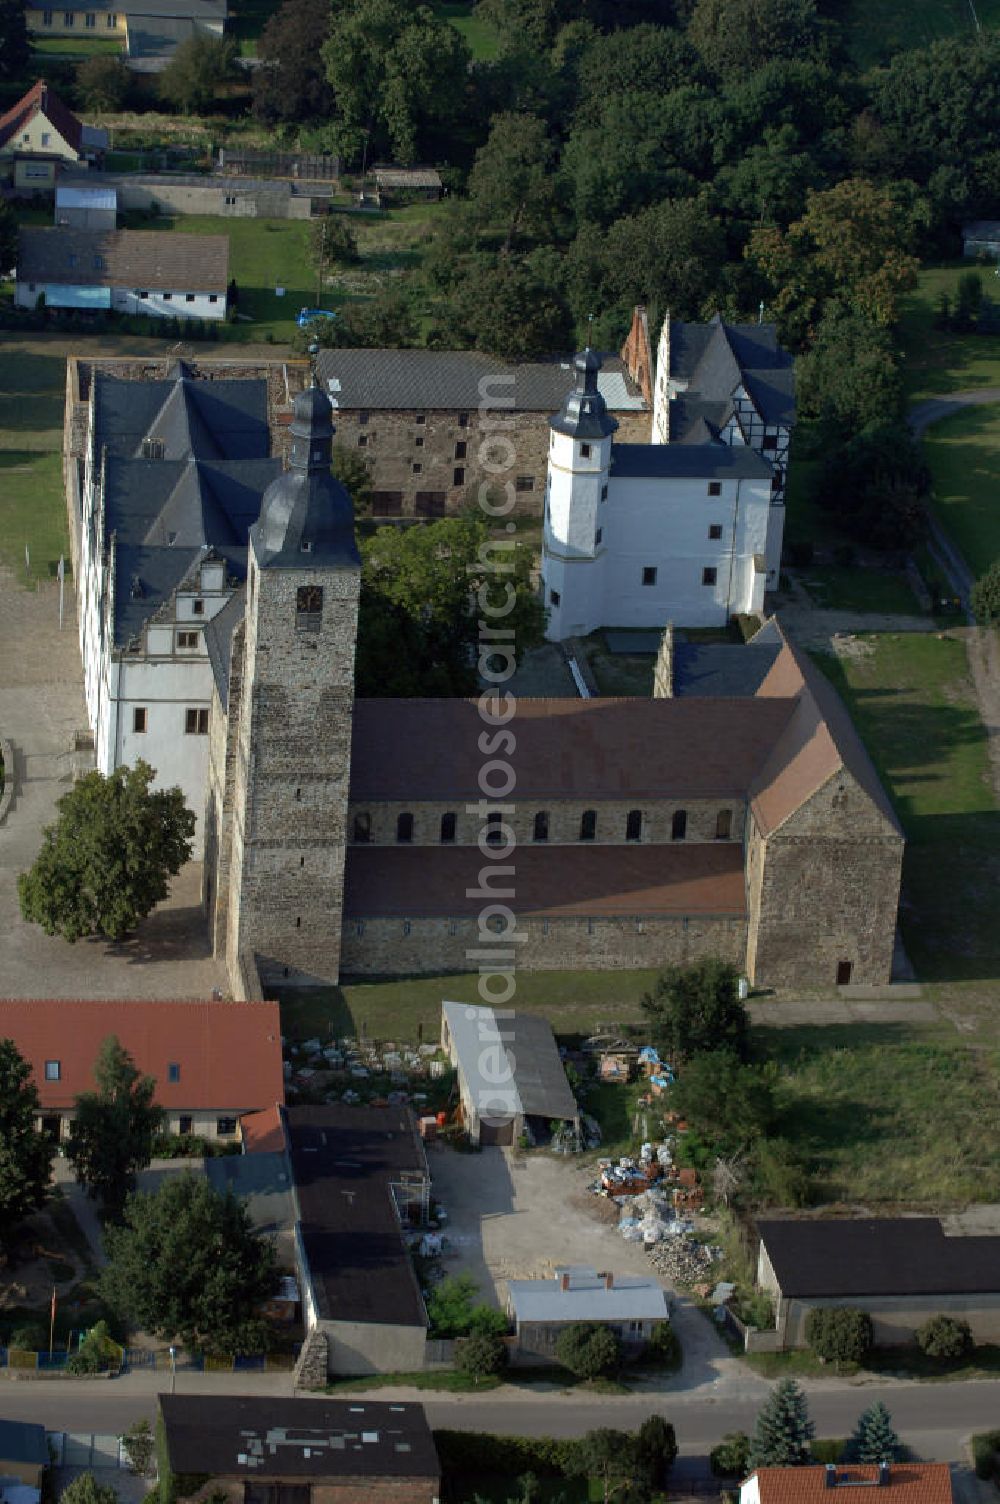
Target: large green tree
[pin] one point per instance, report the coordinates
(85, 1489)
(729, 1104)
(290, 83)
(25, 1153)
(103, 82)
(186, 1263)
(735, 37)
(104, 864)
(697, 1009)
(511, 185)
(588, 1349)
(608, 1456)
(422, 586)
(198, 69)
(114, 1128)
(850, 378)
(399, 74)
(511, 306)
(783, 1429)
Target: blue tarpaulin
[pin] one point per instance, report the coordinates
(57, 295)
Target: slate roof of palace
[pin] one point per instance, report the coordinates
(229, 1054)
(921, 1482)
(716, 358)
(429, 380)
(343, 1160)
(708, 460)
(254, 1438)
(536, 1070)
(870, 1256)
(123, 258)
(169, 515)
(41, 100)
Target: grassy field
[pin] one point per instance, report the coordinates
(878, 28)
(32, 396)
(857, 589)
(936, 361)
(964, 456)
(482, 40)
(76, 46)
(912, 701)
(407, 1009)
(32, 512)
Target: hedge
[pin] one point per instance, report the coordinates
(478, 1452)
(985, 1447)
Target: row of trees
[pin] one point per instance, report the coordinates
(784, 1433)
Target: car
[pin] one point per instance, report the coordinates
(307, 315)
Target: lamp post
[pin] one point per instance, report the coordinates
(173, 1368)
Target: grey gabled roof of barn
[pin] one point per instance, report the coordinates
(536, 1070)
(446, 380)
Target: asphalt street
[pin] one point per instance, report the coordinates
(934, 1419)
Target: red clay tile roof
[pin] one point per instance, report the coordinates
(263, 1132)
(817, 740)
(909, 1483)
(558, 881)
(229, 1053)
(595, 749)
(41, 99)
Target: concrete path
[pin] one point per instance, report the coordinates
(41, 707)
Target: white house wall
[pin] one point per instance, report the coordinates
(179, 304)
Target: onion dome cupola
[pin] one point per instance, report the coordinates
(306, 514)
(584, 414)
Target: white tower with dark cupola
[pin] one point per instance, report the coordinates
(576, 506)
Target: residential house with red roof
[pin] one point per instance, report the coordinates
(898, 1482)
(40, 133)
(213, 1062)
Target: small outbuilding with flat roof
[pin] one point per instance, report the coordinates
(632, 1306)
(301, 1451)
(511, 1078)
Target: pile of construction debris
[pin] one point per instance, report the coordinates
(683, 1260)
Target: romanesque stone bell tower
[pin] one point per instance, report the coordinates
(293, 744)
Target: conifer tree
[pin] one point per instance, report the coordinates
(783, 1430)
(874, 1439)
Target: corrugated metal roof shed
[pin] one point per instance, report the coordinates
(536, 1082)
(68, 197)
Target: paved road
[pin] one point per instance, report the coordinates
(935, 1419)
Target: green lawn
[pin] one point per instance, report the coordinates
(936, 361)
(32, 397)
(575, 1002)
(482, 40)
(876, 29)
(32, 512)
(619, 673)
(858, 589)
(912, 701)
(964, 455)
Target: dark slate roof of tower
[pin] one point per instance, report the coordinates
(714, 461)
(715, 358)
(210, 419)
(306, 515)
(584, 413)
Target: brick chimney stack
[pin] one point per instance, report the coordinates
(609, 1280)
(564, 1280)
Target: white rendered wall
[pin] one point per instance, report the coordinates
(202, 305)
(572, 556)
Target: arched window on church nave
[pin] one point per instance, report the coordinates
(679, 825)
(363, 827)
(540, 831)
(588, 825)
(633, 825)
(404, 827)
(723, 825)
(449, 822)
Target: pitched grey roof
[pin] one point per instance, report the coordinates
(872, 1256)
(153, 259)
(631, 1298)
(213, 419)
(688, 461)
(205, 10)
(715, 358)
(218, 637)
(415, 380)
(536, 1080)
(153, 39)
(722, 669)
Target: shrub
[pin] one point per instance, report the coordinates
(945, 1338)
(483, 1454)
(96, 1352)
(663, 1347)
(985, 1447)
(480, 1355)
(840, 1334)
(826, 1449)
(30, 1338)
(588, 1349)
(730, 1458)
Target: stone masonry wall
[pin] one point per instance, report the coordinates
(291, 773)
(394, 442)
(564, 820)
(386, 947)
(824, 889)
